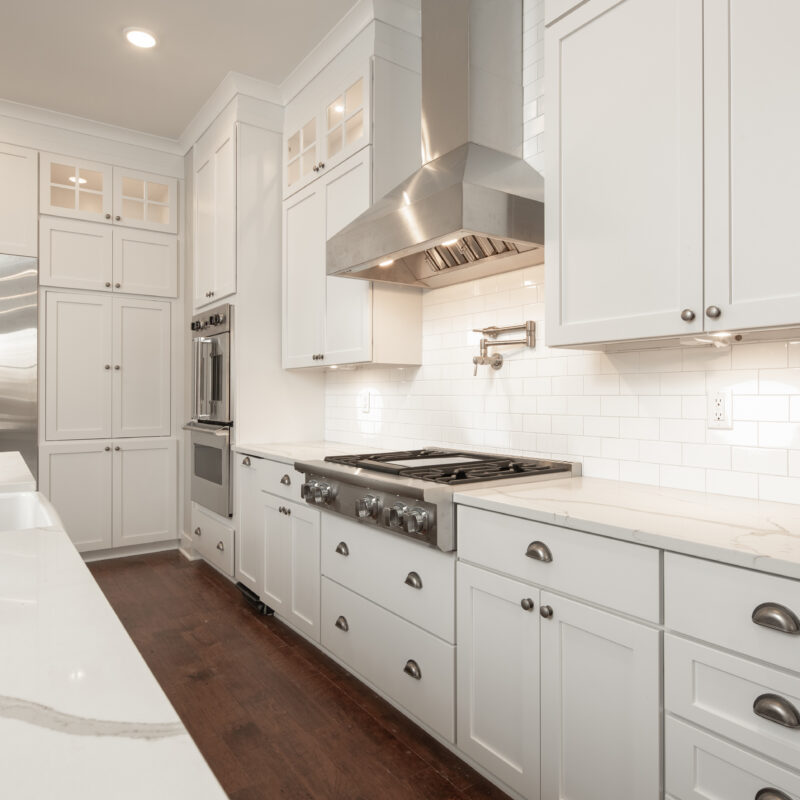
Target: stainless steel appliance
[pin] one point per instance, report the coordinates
(411, 493)
(19, 320)
(211, 423)
(475, 208)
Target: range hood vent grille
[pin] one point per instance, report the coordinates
(468, 250)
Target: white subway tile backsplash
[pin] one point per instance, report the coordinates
(637, 415)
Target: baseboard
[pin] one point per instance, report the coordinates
(132, 550)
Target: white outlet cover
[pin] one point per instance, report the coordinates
(720, 410)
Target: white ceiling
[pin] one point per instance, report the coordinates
(71, 56)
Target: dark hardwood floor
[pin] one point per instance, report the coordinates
(273, 716)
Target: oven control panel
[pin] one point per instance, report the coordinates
(405, 516)
(212, 322)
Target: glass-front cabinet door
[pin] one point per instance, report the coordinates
(302, 154)
(143, 200)
(345, 125)
(70, 187)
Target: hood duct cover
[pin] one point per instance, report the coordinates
(476, 210)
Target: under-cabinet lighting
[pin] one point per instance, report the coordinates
(79, 181)
(387, 263)
(140, 38)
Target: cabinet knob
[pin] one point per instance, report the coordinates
(286, 480)
(117, 447)
(220, 547)
(539, 551)
(315, 167)
(108, 216)
(322, 165)
(413, 580)
(341, 624)
(772, 794)
(108, 284)
(687, 315)
(776, 709)
(117, 285)
(712, 312)
(118, 218)
(107, 448)
(116, 367)
(246, 461)
(342, 549)
(777, 617)
(527, 604)
(197, 532)
(412, 668)
(107, 366)
(546, 611)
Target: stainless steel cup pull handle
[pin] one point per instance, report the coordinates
(246, 461)
(777, 617)
(197, 532)
(342, 549)
(341, 624)
(772, 794)
(412, 668)
(777, 709)
(539, 551)
(413, 580)
(286, 480)
(220, 547)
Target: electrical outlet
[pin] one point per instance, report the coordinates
(720, 412)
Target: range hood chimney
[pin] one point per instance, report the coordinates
(475, 208)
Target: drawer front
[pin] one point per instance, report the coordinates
(715, 603)
(212, 540)
(388, 570)
(701, 767)
(274, 477)
(380, 646)
(718, 691)
(619, 575)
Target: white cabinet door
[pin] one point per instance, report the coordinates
(345, 121)
(304, 277)
(70, 187)
(143, 200)
(18, 200)
(752, 163)
(277, 555)
(203, 230)
(145, 262)
(141, 368)
(78, 370)
(251, 540)
(624, 231)
(145, 492)
(600, 695)
(75, 254)
(348, 301)
(77, 480)
(303, 608)
(498, 677)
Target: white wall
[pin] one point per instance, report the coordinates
(637, 416)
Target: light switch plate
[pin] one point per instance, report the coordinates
(720, 410)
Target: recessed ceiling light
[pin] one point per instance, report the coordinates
(387, 263)
(338, 109)
(79, 181)
(140, 38)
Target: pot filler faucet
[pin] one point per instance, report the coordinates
(495, 360)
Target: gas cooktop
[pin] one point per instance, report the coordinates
(451, 467)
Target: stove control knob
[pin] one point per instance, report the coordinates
(396, 514)
(367, 507)
(307, 490)
(416, 520)
(323, 493)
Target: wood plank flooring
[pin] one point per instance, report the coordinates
(273, 716)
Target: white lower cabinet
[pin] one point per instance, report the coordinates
(112, 493)
(498, 676)
(251, 536)
(213, 539)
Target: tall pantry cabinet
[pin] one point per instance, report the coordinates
(109, 276)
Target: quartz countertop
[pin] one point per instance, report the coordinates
(290, 452)
(747, 533)
(14, 473)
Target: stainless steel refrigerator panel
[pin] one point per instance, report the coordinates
(19, 321)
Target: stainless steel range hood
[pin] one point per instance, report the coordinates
(475, 208)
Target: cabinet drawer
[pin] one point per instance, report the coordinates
(274, 477)
(715, 603)
(701, 767)
(615, 574)
(385, 568)
(212, 540)
(380, 646)
(718, 690)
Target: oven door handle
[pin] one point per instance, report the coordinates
(211, 430)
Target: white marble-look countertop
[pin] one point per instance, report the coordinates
(747, 533)
(14, 473)
(290, 452)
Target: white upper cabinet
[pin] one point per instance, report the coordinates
(752, 128)
(142, 200)
(215, 164)
(624, 230)
(145, 263)
(18, 200)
